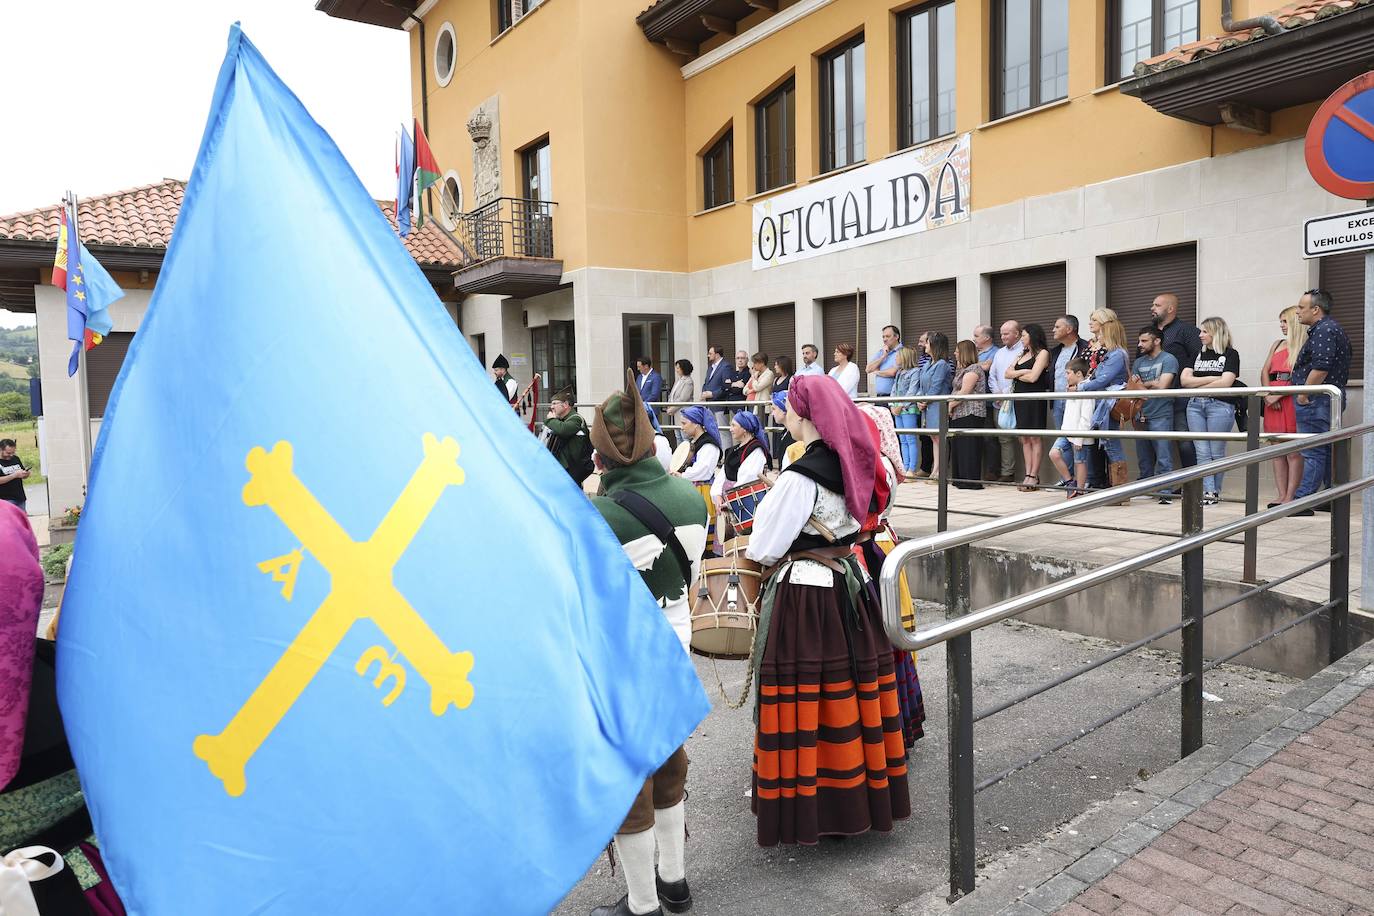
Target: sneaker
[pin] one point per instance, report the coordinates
(1210, 499)
(1165, 501)
(1064, 484)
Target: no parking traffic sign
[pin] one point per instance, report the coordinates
(1340, 140)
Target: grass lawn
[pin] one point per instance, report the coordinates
(25, 435)
(13, 370)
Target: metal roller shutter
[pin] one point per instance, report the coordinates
(778, 333)
(102, 368)
(1036, 295)
(839, 325)
(1342, 275)
(1135, 279)
(720, 333)
(930, 307)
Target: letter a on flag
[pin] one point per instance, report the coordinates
(302, 666)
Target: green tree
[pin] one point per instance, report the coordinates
(14, 406)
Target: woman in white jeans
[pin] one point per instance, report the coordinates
(1216, 367)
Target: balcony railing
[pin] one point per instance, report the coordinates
(507, 227)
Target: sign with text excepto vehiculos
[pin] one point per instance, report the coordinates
(900, 195)
(1339, 232)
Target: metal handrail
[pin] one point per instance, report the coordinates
(908, 551)
(956, 632)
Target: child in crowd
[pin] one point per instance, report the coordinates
(1070, 453)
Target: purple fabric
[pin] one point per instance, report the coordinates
(101, 898)
(21, 598)
(821, 400)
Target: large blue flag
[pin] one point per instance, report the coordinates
(90, 290)
(340, 636)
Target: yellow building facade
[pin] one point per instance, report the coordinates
(675, 133)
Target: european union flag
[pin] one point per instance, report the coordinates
(340, 636)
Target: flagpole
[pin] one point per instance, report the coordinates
(83, 399)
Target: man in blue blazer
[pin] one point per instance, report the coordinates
(649, 381)
(717, 375)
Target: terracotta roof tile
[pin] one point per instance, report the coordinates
(144, 217)
(1293, 16)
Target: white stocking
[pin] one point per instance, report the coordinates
(637, 858)
(670, 829)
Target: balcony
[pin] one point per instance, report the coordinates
(508, 249)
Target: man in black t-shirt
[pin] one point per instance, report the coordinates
(12, 474)
(1182, 341)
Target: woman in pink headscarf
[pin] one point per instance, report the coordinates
(43, 819)
(824, 666)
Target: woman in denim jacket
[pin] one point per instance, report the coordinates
(1110, 374)
(936, 377)
(905, 413)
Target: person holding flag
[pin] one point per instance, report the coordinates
(89, 288)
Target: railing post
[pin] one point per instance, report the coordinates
(1339, 587)
(959, 686)
(942, 452)
(1250, 573)
(1190, 656)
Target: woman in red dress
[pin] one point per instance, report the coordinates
(1279, 412)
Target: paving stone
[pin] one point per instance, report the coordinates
(1254, 754)
(1228, 774)
(1198, 794)
(1054, 893)
(1304, 721)
(1096, 864)
(1277, 737)
(1165, 814)
(1133, 839)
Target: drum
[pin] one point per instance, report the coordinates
(742, 502)
(735, 546)
(680, 456)
(726, 612)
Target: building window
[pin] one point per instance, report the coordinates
(445, 54)
(776, 119)
(509, 12)
(450, 201)
(651, 337)
(925, 54)
(718, 172)
(1032, 56)
(537, 171)
(1141, 29)
(842, 106)
(552, 353)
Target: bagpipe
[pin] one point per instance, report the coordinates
(528, 402)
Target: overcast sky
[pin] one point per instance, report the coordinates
(100, 96)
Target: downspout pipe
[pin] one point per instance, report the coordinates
(1270, 25)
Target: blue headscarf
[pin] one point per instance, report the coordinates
(750, 423)
(658, 430)
(780, 400)
(705, 419)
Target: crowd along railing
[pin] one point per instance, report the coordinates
(961, 620)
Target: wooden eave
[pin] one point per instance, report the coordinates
(389, 14)
(1280, 71)
(690, 22)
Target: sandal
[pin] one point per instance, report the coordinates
(1030, 488)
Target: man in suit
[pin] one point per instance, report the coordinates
(717, 375)
(649, 382)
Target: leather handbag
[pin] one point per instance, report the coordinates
(1125, 410)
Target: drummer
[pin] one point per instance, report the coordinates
(699, 427)
(745, 461)
(829, 758)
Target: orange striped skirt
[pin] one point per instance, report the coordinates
(829, 758)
